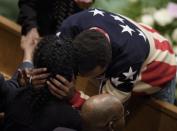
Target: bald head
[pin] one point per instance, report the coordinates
(102, 112)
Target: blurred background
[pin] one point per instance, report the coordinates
(160, 14)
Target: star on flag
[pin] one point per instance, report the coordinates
(116, 81)
(129, 74)
(117, 18)
(97, 12)
(126, 28)
(141, 34)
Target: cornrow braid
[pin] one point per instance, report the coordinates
(62, 9)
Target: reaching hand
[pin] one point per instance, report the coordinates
(29, 42)
(61, 88)
(23, 77)
(36, 77)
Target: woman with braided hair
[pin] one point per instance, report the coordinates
(40, 17)
(31, 109)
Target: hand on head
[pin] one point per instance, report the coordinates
(61, 88)
(58, 86)
(103, 112)
(36, 77)
(56, 55)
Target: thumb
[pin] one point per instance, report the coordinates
(20, 74)
(20, 77)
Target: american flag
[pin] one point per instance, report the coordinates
(143, 61)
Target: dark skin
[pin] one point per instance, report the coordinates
(37, 80)
(66, 89)
(103, 113)
(58, 86)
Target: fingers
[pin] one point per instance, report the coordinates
(56, 91)
(36, 41)
(41, 76)
(37, 83)
(23, 38)
(38, 71)
(55, 94)
(39, 86)
(21, 78)
(27, 72)
(63, 80)
(60, 85)
(20, 74)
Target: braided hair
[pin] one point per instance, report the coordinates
(56, 55)
(64, 8)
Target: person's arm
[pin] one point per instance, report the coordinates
(7, 91)
(23, 73)
(121, 83)
(122, 95)
(63, 89)
(59, 87)
(28, 47)
(69, 28)
(28, 20)
(27, 15)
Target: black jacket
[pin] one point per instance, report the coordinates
(42, 14)
(17, 104)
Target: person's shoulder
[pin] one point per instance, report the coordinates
(80, 14)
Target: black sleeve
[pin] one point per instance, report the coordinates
(27, 15)
(7, 92)
(125, 79)
(1, 93)
(8, 88)
(21, 66)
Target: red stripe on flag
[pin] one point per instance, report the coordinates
(158, 73)
(149, 29)
(163, 46)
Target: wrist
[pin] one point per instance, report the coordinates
(27, 56)
(76, 101)
(73, 97)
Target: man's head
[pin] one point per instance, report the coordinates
(55, 55)
(103, 113)
(93, 52)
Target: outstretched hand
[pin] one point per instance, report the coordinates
(58, 86)
(36, 77)
(29, 42)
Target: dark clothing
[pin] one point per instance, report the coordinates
(44, 14)
(23, 114)
(140, 55)
(8, 87)
(122, 43)
(63, 129)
